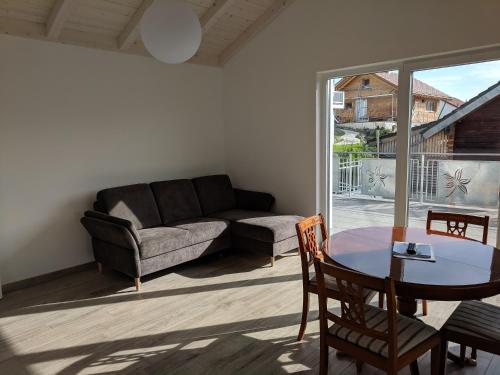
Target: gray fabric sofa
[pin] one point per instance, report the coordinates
(143, 228)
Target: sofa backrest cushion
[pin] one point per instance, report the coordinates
(177, 200)
(215, 193)
(133, 202)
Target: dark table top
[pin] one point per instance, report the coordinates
(464, 269)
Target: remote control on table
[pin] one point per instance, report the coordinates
(412, 248)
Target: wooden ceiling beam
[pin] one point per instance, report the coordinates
(266, 18)
(212, 15)
(129, 34)
(57, 17)
(56, 27)
(33, 30)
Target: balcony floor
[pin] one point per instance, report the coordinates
(229, 314)
(358, 212)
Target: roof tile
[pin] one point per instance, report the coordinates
(419, 87)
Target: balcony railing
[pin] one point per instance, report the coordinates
(433, 178)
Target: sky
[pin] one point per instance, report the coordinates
(464, 81)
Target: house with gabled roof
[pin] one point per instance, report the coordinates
(370, 101)
(472, 128)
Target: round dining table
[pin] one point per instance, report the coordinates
(463, 270)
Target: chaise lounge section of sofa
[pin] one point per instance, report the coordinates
(144, 228)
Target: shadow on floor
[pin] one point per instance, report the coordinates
(243, 348)
(92, 289)
(36, 308)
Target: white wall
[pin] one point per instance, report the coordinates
(270, 85)
(76, 120)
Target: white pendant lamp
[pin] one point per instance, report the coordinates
(171, 31)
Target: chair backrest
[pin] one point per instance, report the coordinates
(457, 224)
(352, 305)
(308, 241)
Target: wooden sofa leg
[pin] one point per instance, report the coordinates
(99, 267)
(272, 261)
(137, 283)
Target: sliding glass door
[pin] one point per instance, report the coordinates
(402, 139)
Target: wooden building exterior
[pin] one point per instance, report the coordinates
(441, 142)
(473, 128)
(367, 98)
(479, 132)
(373, 97)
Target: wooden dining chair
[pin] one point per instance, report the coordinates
(457, 225)
(475, 324)
(382, 338)
(308, 247)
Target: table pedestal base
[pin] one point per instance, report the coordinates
(407, 306)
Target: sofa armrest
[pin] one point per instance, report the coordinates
(110, 232)
(116, 220)
(253, 200)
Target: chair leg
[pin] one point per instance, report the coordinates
(99, 267)
(359, 366)
(463, 348)
(414, 368)
(424, 307)
(272, 261)
(137, 281)
(443, 354)
(305, 310)
(323, 358)
(381, 300)
(472, 361)
(436, 360)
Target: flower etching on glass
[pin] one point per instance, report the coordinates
(456, 182)
(376, 178)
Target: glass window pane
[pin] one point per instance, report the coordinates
(455, 144)
(362, 178)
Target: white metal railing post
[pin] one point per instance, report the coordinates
(358, 169)
(422, 171)
(498, 225)
(350, 173)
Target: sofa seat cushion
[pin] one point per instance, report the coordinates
(260, 226)
(161, 240)
(203, 229)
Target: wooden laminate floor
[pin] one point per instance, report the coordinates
(228, 314)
